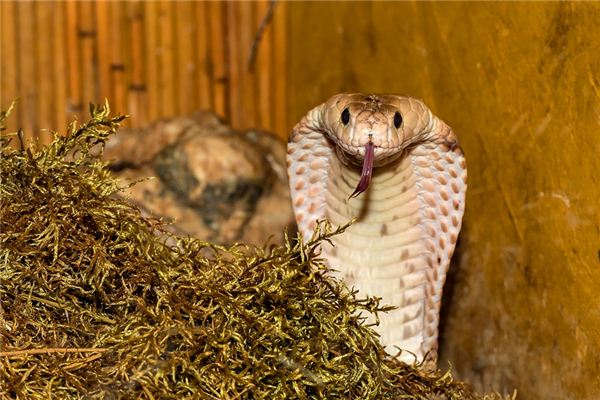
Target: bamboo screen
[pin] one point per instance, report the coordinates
(149, 59)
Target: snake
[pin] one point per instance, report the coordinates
(388, 164)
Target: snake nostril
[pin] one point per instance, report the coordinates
(375, 139)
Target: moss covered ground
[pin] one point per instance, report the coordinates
(97, 301)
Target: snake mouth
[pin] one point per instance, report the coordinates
(367, 170)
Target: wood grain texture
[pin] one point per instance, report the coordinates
(519, 85)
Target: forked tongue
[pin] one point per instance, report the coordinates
(367, 170)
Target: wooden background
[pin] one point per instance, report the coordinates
(149, 59)
(519, 82)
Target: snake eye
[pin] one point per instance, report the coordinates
(397, 120)
(345, 116)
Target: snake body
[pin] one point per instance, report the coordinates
(412, 171)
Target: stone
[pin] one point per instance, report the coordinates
(208, 181)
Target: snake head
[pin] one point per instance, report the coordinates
(373, 130)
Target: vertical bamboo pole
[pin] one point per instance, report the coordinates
(44, 31)
(103, 49)
(9, 61)
(86, 34)
(200, 41)
(117, 62)
(74, 103)
(167, 78)
(152, 48)
(218, 25)
(26, 69)
(248, 110)
(137, 88)
(264, 69)
(280, 71)
(185, 56)
(125, 38)
(234, 55)
(59, 59)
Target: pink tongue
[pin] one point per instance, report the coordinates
(367, 170)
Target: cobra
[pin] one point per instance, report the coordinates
(389, 163)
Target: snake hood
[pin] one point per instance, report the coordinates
(374, 130)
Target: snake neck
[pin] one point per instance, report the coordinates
(382, 254)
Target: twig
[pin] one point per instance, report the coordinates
(80, 363)
(27, 352)
(21, 140)
(259, 33)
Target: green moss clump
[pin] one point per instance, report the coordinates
(98, 302)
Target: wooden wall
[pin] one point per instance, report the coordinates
(519, 82)
(149, 59)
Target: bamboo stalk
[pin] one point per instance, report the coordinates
(117, 61)
(74, 101)
(26, 70)
(185, 56)
(9, 60)
(60, 59)
(125, 38)
(233, 52)
(43, 31)
(103, 48)
(167, 77)
(280, 71)
(137, 88)
(248, 110)
(152, 47)
(264, 68)
(203, 75)
(86, 34)
(218, 56)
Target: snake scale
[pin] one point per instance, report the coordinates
(389, 163)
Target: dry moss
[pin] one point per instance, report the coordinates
(94, 302)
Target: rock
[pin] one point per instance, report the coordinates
(210, 182)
